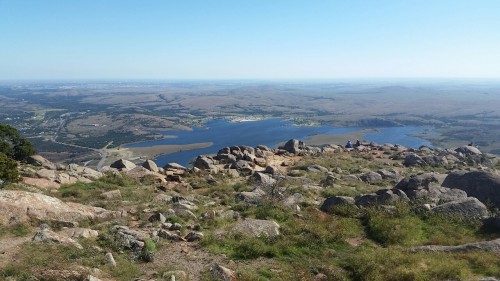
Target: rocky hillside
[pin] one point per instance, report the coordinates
(373, 212)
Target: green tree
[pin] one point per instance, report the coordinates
(8, 169)
(13, 145)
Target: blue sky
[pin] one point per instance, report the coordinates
(252, 39)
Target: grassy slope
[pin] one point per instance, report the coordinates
(344, 245)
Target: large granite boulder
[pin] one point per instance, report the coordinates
(371, 177)
(382, 196)
(20, 206)
(262, 179)
(151, 166)
(483, 185)
(123, 164)
(38, 160)
(257, 228)
(468, 150)
(419, 181)
(80, 172)
(414, 160)
(469, 208)
(293, 146)
(46, 235)
(204, 163)
(251, 197)
(335, 201)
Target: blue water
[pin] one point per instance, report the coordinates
(269, 132)
(399, 135)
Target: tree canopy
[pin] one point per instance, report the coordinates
(14, 145)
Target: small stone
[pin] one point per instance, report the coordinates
(194, 236)
(157, 217)
(109, 259)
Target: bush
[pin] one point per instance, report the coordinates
(13, 145)
(395, 230)
(8, 169)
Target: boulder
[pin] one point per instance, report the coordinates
(336, 201)
(419, 181)
(204, 163)
(162, 198)
(80, 233)
(112, 195)
(158, 217)
(109, 259)
(317, 168)
(170, 235)
(123, 164)
(46, 235)
(20, 206)
(222, 273)
(128, 238)
(294, 200)
(64, 178)
(41, 183)
(391, 175)
(383, 196)
(469, 208)
(435, 161)
(441, 194)
(151, 166)
(490, 246)
(47, 174)
(174, 166)
(293, 146)
(468, 150)
(483, 185)
(271, 170)
(38, 160)
(262, 180)
(257, 228)
(193, 236)
(414, 160)
(253, 197)
(85, 172)
(371, 177)
(241, 164)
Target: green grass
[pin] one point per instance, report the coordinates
(16, 230)
(89, 193)
(37, 257)
(316, 243)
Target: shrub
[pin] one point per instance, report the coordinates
(13, 145)
(8, 169)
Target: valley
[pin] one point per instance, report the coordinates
(79, 121)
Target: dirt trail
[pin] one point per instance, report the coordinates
(186, 256)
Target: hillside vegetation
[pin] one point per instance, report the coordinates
(373, 212)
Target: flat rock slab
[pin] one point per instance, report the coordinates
(491, 246)
(20, 206)
(257, 228)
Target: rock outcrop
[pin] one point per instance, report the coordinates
(483, 185)
(20, 206)
(257, 228)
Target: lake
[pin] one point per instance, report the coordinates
(267, 132)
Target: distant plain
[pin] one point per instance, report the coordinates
(79, 121)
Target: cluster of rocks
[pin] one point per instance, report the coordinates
(47, 175)
(245, 160)
(431, 191)
(448, 158)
